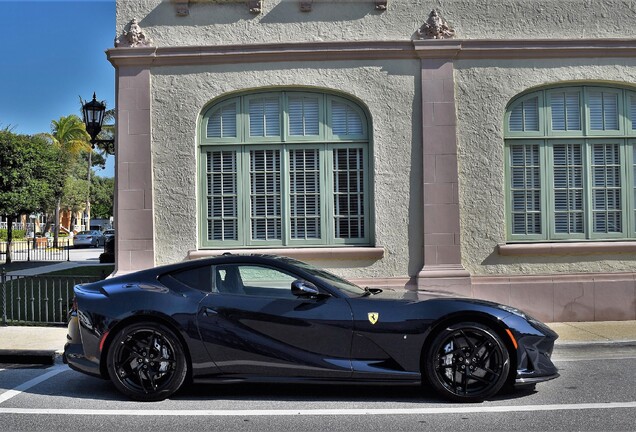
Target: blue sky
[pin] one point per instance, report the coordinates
(51, 53)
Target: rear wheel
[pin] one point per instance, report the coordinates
(146, 362)
(467, 362)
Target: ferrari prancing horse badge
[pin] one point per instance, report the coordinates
(373, 317)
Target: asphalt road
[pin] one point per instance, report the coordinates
(595, 392)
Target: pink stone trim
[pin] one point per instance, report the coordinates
(567, 297)
(309, 254)
(444, 271)
(524, 48)
(361, 50)
(569, 248)
(263, 53)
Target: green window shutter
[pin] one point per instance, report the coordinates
(606, 189)
(633, 186)
(572, 181)
(265, 195)
(268, 176)
(304, 194)
(566, 111)
(603, 108)
(525, 188)
(568, 188)
(304, 115)
(222, 122)
(264, 117)
(525, 116)
(348, 184)
(221, 193)
(345, 120)
(632, 111)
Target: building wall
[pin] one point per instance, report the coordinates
(483, 89)
(437, 113)
(389, 91)
(229, 22)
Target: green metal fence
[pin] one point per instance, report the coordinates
(37, 300)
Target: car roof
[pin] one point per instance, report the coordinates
(216, 260)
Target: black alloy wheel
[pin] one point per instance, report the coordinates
(467, 362)
(146, 362)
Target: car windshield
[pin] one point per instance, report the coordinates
(349, 288)
(84, 233)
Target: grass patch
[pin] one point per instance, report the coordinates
(85, 270)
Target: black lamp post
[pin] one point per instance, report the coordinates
(93, 112)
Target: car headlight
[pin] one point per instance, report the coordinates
(523, 315)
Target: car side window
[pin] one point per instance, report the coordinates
(199, 278)
(253, 280)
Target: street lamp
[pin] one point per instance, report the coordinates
(93, 113)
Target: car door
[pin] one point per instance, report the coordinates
(251, 324)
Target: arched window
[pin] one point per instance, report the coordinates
(284, 168)
(570, 167)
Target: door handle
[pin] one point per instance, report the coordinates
(207, 311)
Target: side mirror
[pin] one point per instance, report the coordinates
(302, 288)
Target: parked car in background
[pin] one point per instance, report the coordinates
(109, 250)
(93, 238)
(109, 233)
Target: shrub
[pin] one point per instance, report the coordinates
(17, 234)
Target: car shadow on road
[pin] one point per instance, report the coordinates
(323, 393)
(74, 385)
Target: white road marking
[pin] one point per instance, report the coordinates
(574, 359)
(320, 412)
(52, 371)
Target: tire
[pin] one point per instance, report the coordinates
(130, 364)
(467, 362)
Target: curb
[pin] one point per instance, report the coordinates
(595, 344)
(44, 357)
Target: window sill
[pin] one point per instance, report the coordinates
(307, 254)
(574, 248)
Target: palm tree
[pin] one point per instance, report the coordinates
(68, 134)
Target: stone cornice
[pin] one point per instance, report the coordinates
(525, 48)
(373, 50)
(260, 53)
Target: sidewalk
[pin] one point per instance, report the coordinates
(48, 268)
(43, 344)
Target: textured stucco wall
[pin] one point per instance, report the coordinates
(483, 89)
(390, 92)
(281, 20)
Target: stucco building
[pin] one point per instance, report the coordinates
(487, 148)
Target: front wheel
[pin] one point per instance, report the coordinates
(467, 362)
(146, 362)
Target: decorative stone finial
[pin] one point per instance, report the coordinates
(435, 27)
(134, 37)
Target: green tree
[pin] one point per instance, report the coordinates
(70, 136)
(75, 190)
(102, 197)
(29, 176)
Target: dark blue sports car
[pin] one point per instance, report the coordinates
(265, 318)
